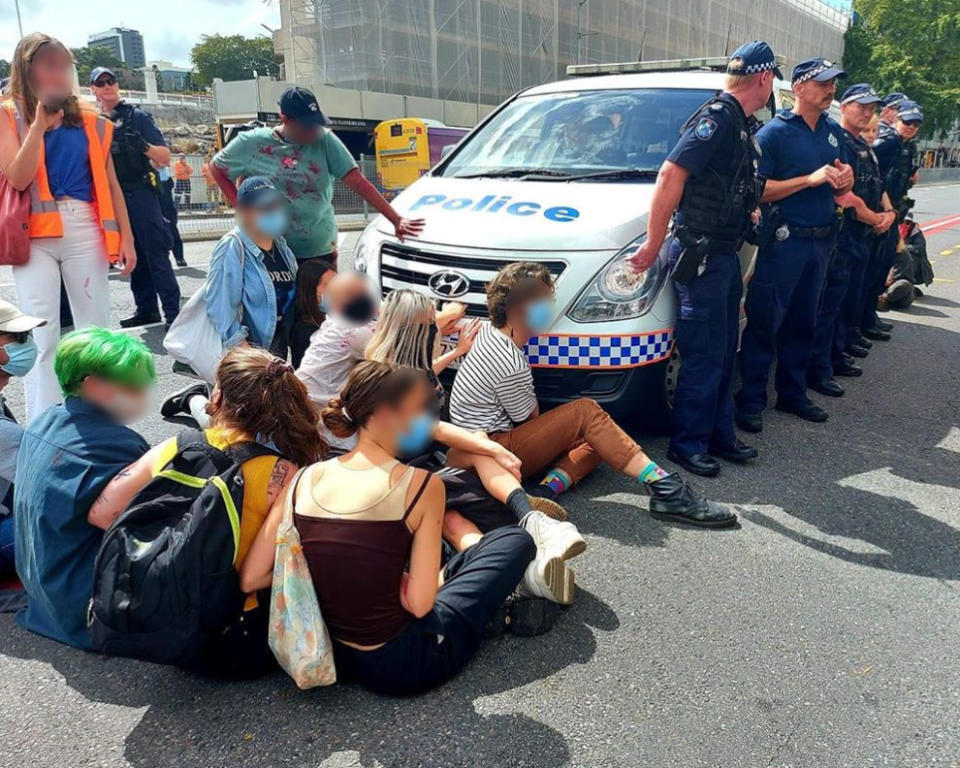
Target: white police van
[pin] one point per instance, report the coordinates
(563, 174)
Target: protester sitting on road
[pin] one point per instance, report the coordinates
(494, 392)
(250, 286)
(362, 517)
(59, 148)
(303, 158)
(406, 335)
(257, 397)
(67, 456)
(18, 353)
(310, 305)
(340, 342)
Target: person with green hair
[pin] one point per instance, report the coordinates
(67, 456)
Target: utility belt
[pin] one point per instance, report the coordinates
(692, 259)
(807, 233)
(149, 181)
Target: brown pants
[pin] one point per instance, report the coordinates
(574, 437)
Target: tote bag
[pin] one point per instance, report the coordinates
(192, 338)
(14, 224)
(14, 217)
(298, 636)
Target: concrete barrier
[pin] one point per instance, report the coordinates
(938, 176)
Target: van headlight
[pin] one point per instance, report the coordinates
(360, 255)
(617, 292)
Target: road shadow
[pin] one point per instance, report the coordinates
(919, 311)
(936, 301)
(193, 721)
(832, 468)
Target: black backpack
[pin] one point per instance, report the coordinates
(165, 581)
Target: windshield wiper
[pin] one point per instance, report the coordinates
(513, 173)
(619, 173)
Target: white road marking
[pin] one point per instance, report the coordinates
(952, 441)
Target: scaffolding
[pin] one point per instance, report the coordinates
(482, 51)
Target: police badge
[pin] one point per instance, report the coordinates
(705, 129)
(833, 140)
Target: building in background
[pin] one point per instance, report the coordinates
(171, 77)
(125, 44)
(482, 51)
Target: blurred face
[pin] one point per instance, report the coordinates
(264, 222)
(908, 130)
(815, 95)
(407, 427)
(106, 90)
(124, 404)
(857, 116)
(299, 133)
(535, 313)
(869, 134)
(51, 74)
(889, 115)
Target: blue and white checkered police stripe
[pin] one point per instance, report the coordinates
(752, 69)
(599, 351)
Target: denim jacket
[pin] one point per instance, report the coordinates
(241, 302)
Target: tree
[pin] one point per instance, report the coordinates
(911, 46)
(4, 68)
(233, 57)
(88, 58)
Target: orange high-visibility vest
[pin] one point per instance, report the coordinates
(44, 215)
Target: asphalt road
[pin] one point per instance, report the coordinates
(821, 634)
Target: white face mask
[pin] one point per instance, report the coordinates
(127, 408)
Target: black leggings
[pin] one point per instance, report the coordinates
(435, 648)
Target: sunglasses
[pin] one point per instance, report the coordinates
(108, 80)
(913, 123)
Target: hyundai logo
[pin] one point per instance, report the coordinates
(449, 283)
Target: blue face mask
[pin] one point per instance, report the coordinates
(163, 173)
(417, 437)
(322, 304)
(539, 314)
(272, 223)
(22, 357)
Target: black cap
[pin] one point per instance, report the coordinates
(97, 72)
(301, 105)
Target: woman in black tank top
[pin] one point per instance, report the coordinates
(363, 516)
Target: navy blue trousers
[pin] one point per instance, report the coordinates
(828, 314)
(708, 320)
(781, 307)
(848, 321)
(153, 276)
(875, 281)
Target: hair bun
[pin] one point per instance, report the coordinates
(278, 367)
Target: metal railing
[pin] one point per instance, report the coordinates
(142, 97)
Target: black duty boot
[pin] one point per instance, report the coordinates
(828, 386)
(749, 422)
(697, 463)
(855, 350)
(805, 409)
(738, 451)
(671, 498)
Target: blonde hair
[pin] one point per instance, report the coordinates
(403, 331)
(19, 88)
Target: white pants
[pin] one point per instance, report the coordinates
(79, 257)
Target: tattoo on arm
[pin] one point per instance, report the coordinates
(278, 477)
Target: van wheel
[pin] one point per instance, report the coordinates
(670, 379)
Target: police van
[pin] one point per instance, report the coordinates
(563, 174)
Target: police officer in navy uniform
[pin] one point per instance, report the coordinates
(801, 164)
(888, 113)
(845, 273)
(896, 152)
(136, 143)
(710, 180)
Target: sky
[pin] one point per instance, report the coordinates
(169, 27)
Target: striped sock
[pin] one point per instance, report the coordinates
(651, 473)
(557, 481)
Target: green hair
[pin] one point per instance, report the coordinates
(116, 357)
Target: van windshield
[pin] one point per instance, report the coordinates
(587, 135)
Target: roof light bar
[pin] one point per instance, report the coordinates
(708, 63)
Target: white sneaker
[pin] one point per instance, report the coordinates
(549, 578)
(552, 537)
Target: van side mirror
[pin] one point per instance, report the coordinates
(446, 150)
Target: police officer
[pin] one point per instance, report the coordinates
(137, 143)
(710, 180)
(896, 153)
(888, 113)
(844, 282)
(800, 163)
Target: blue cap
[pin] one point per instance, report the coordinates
(819, 70)
(259, 192)
(301, 105)
(97, 72)
(893, 99)
(910, 112)
(753, 58)
(862, 93)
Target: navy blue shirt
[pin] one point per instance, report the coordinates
(142, 122)
(711, 131)
(886, 149)
(67, 455)
(790, 149)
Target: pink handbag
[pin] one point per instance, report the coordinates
(14, 224)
